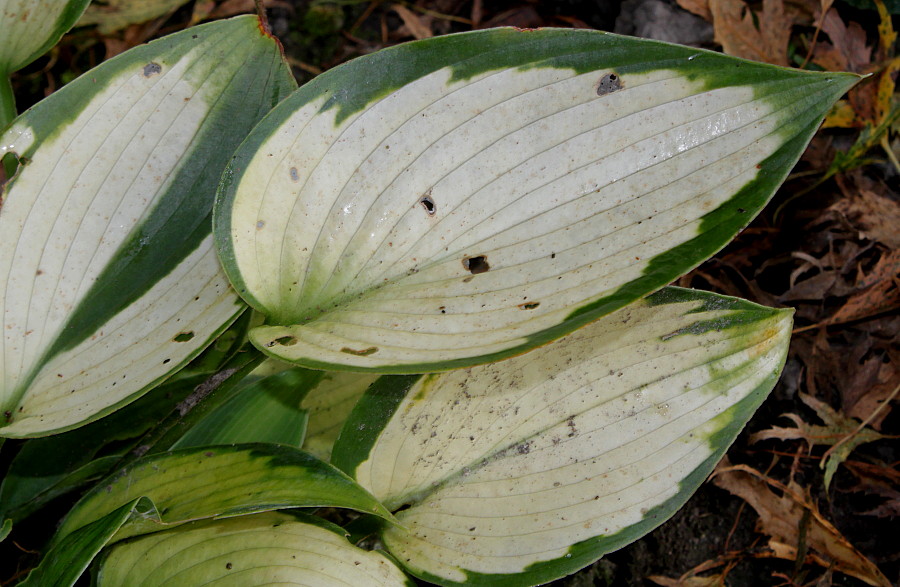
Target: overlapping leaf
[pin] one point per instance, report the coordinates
(526, 470)
(110, 281)
(31, 27)
(466, 198)
(270, 548)
(329, 403)
(222, 482)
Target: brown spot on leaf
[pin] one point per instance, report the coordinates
(362, 353)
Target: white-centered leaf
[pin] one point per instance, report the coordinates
(462, 199)
(109, 278)
(31, 27)
(528, 469)
(221, 481)
(264, 549)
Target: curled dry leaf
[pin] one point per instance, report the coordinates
(841, 433)
(783, 514)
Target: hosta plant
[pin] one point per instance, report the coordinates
(428, 287)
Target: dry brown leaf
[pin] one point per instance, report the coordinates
(878, 379)
(882, 297)
(233, 7)
(698, 7)
(714, 581)
(414, 24)
(735, 30)
(847, 50)
(876, 216)
(881, 480)
(841, 433)
(781, 517)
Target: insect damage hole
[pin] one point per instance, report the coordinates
(476, 265)
(608, 84)
(152, 69)
(428, 204)
(283, 341)
(183, 337)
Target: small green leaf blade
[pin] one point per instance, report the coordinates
(329, 403)
(266, 410)
(31, 27)
(222, 481)
(268, 548)
(485, 193)
(523, 471)
(111, 280)
(64, 563)
(46, 468)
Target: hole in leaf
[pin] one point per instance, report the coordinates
(283, 341)
(295, 175)
(152, 69)
(529, 305)
(476, 265)
(428, 204)
(608, 84)
(362, 353)
(183, 337)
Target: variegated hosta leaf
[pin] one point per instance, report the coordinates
(195, 483)
(463, 199)
(525, 470)
(263, 549)
(31, 27)
(110, 280)
(329, 403)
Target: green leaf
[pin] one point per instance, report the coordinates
(466, 198)
(64, 563)
(111, 280)
(266, 410)
(31, 27)
(523, 471)
(269, 548)
(329, 403)
(196, 483)
(46, 468)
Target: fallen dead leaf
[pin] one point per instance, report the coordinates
(877, 216)
(735, 29)
(414, 24)
(782, 516)
(841, 433)
(881, 480)
(698, 7)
